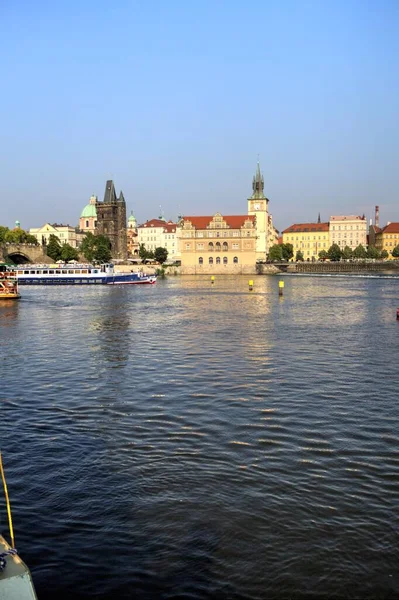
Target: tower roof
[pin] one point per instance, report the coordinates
(88, 211)
(258, 184)
(109, 194)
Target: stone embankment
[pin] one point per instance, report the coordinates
(341, 267)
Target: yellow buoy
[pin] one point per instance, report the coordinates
(212, 279)
(280, 288)
(251, 285)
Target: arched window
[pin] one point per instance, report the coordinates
(235, 259)
(201, 260)
(225, 260)
(210, 246)
(211, 260)
(218, 260)
(87, 223)
(217, 247)
(225, 246)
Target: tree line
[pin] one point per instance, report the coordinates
(279, 252)
(16, 236)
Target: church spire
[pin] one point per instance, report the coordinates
(318, 220)
(258, 183)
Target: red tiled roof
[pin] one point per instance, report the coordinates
(306, 227)
(154, 223)
(391, 228)
(233, 221)
(169, 227)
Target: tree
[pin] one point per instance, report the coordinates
(54, 247)
(68, 253)
(3, 231)
(334, 253)
(373, 252)
(384, 254)
(287, 251)
(160, 255)
(275, 252)
(96, 248)
(31, 239)
(359, 252)
(299, 256)
(395, 251)
(143, 252)
(347, 253)
(323, 254)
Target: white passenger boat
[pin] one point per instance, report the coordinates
(80, 274)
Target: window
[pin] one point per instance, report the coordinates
(200, 246)
(225, 246)
(235, 259)
(201, 260)
(188, 246)
(218, 260)
(210, 247)
(235, 246)
(217, 247)
(225, 260)
(211, 260)
(87, 223)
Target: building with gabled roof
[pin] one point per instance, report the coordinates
(348, 230)
(387, 238)
(158, 233)
(307, 238)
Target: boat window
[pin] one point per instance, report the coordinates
(26, 272)
(51, 272)
(57, 272)
(84, 270)
(45, 272)
(64, 271)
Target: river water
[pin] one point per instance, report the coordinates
(185, 440)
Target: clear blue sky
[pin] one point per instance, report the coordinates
(175, 99)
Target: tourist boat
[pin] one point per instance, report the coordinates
(9, 285)
(74, 273)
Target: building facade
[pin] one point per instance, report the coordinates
(88, 216)
(218, 244)
(348, 230)
(65, 233)
(158, 233)
(111, 220)
(258, 206)
(387, 238)
(132, 236)
(308, 238)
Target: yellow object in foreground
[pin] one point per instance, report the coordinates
(7, 503)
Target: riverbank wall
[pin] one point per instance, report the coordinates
(341, 267)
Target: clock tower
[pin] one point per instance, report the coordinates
(258, 206)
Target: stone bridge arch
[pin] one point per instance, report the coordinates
(23, 253)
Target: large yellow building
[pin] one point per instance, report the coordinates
(218, 244)
(387, 238)
(308, 238)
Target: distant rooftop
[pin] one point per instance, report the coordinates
(347, 218)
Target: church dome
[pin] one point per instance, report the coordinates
(131, 218)
(89, 211)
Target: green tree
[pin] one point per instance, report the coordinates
(16, 236)
(299, 256)
(359, 252)
(395, 251)
(87, 246)
(68, 253)
(31, 239)
(384, 254)
(160, 255)
(323, 254)
(275, 252)
(102, 251)
(334, 253)
(143, 252)
(347, 253)
(53, 249)
(287, 251)
(3, 231)
(373, 252)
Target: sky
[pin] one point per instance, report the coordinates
(175, 101)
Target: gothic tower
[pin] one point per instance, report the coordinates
(111, 220)
(258, 206)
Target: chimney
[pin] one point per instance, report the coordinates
(377, 216)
